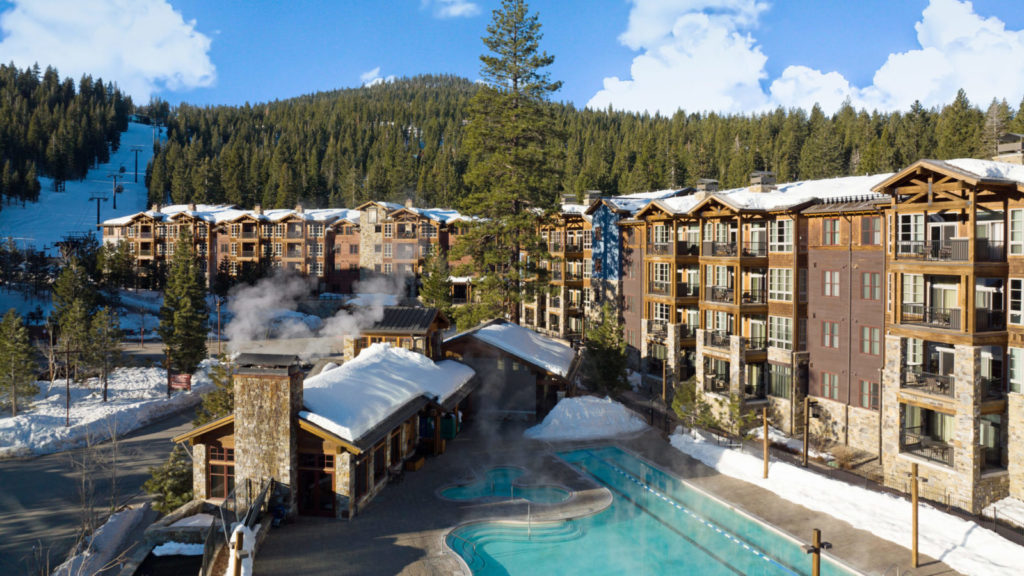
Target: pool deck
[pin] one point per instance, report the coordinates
(402, 530)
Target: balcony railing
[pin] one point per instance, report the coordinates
(687, 331)
(686, 290)
(756, 390)
(941, 384)
(574, 247)
(954, 250)
(986, 320)
(554, 247)
(659, 287)
(719, 249)
(556, 275)
(755, 249)
(719, 294)
(755, 297)
(992, 389)
(248, 233)
(716, 338)
(294, 234)
(657, 328)
(916, 441)
(986, 250)
(660, 249)
(717, 383)
(948, 318)
(756, 343)
(248, 253)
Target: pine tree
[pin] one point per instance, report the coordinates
(958, 129)
(171, 482)
(436, 290)
(513, 153)
(997, 119)
(220, 401)
(16, 362)
(184, 315)
(73, 285)
(604, 362)
(104, 343)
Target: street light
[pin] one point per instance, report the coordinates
(809, 405)
(913, 522)
(815, 549)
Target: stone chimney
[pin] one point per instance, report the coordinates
(298, 208)
(408, 202)
(268, 398)
(590, 196)
(258, 209)
(707, 185)
(155, 207)
(1010, 148)
(762, 181)
(191, 207)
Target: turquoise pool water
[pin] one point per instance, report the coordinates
(655, 525)
(500, 483)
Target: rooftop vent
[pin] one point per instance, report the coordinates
(762, 181)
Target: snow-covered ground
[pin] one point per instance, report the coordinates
(178, 549)
(136, 397)
(964, 546)
(106, 541)
(1009, 509)
(775, 436)
(42, 224)
(586, 418)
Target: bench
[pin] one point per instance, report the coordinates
(415, 464)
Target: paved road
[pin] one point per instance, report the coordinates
(40, 500)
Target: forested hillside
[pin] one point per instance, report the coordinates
(404, 139)
(51, 127)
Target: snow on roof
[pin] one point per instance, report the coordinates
(653, 195)
(549, 354)
(220, 213)
(795, 193)
(573, 208)
(353, 398)
(442, 215)
(989, 169)
(681, 204)
(586, 418)
(373, 299)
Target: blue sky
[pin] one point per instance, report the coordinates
(653, 55)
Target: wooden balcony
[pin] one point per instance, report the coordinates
(929, 382)
(915, 440)
(946, 318)
(720, 294)
(717, 339)
(719, 249)
(954, 250)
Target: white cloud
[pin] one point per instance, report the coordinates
(699, 55)
(143, 46)
(373, 77)
(452, 8)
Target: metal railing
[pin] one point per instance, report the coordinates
(717, 383)
(986, 250)
(718, 249)
(716, 338)
(915, 440)
(755, 249)
(992, 388)
(554, 247)
(248, 253)
(756, 343)
(405, 234)
(755, 297)
(209, 549)
(986, 320)
(719, 294)
(942, 384)
(686, 290)
(657, 328)
(660, 249)
(687, 331)
(574, 247)
(953, 250)
(659, 287)
(948, 318)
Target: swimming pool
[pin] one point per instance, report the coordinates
(656, 524)
(500, 483)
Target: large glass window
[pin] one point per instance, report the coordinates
(870, 340)
(780, 379)
(871, 230)
(830, 334)
(780, 284)
(830, 282)
(1017, 232)
(1016, 301)
(780, 236)
(871, 286)
(220, 471)
(830, 385)
(780, 332)
(1016, 369)
(830, 232)
(869, 394)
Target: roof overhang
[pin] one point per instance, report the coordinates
(194, 433)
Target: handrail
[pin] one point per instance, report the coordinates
(471, 544)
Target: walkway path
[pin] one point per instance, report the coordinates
(402, 530)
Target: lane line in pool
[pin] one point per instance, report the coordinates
(692, 514)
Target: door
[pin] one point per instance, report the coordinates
(316, 493)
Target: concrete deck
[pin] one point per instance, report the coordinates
(402, 530)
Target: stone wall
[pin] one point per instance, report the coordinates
(199, 468)
(267, 403)
(343, 483)
(1015, 438)
(863, 429)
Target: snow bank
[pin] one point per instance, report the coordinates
(201, 519)
(248, 545)
(964, 546)
(585, 418)
(136, 397)
(351, 399)
(178, 549)
(106, 542)
(776, 436)
(1009, 509)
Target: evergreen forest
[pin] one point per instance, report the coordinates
(53, 127)
(405, 139)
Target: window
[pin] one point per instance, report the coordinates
(913, 289)
(802, 282)
(220, 471)
(871, 285)
(830, 385)
(659, 311)
(871, 340)
(830, 334)
(830, 282)
(871, 230)
(235, 228)
(780, 284)
(353, 248)
(318, 268)
(662, 235)
(780, 378)
(233, 268)
(387, 250)
(780, 332)
(234, 249)
(830, 232)
(1017, 232)
(388, 228)
(1016, 301)
(388, 268)
(589, 238)
(1016, 370)
(660, 272)
(319, 250)
(869, 394)
(278, 248)
(780, 236)
(911, 229)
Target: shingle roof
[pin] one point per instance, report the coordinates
(404, 320)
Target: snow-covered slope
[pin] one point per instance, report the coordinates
(40, 225)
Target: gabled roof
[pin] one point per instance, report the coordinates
(543, 353)
(631, 203)
(208, 427)
(407, 320)
(969, 170)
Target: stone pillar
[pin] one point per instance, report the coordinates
(199, 468)
(267, 403)
(737, 366)
(343, 483)
(699, 361)
(348, 347)
(967, 453)
(1015, 443)
(890, 409)
(645, 348)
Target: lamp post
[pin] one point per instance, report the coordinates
(764, 419)
(808, 406)
(913, 521)
(814, 549)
